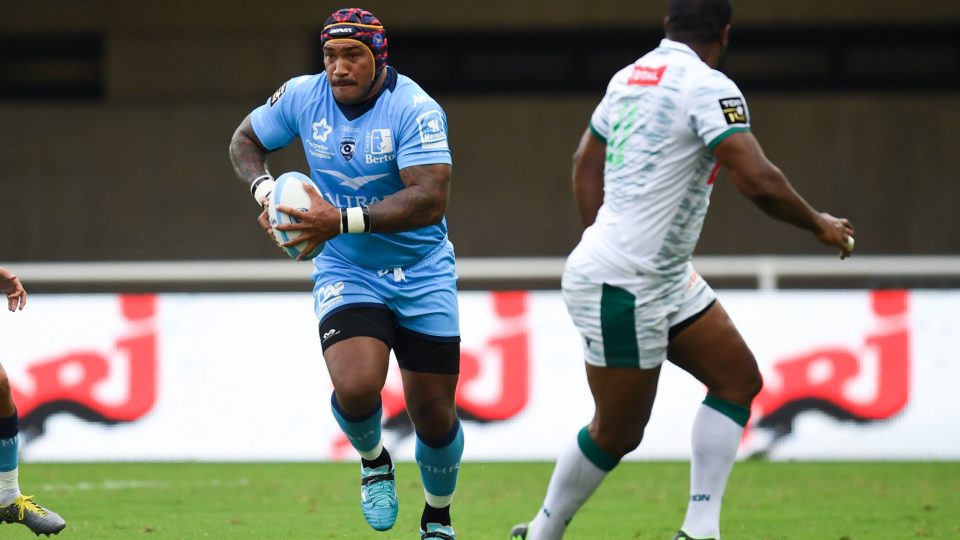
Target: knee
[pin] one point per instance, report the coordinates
(617, 441)
(433, 418)
(358, 397)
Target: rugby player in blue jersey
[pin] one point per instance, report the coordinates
(14, 506)
(376, 144)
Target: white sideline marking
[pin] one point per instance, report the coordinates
(114, 485)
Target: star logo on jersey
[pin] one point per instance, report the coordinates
(419, 98)
(355, 182)
(321, 130)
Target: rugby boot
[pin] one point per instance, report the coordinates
(378, 496)
(436, 531)
(683, 536)
(35, 517)
(519, 532)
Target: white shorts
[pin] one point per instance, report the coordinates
(625, 320)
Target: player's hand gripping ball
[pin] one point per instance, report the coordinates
(289, 191)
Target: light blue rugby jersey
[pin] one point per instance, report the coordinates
(355, 153)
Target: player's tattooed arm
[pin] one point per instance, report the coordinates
(247, 154)
(421, 203)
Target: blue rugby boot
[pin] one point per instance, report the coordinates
(437, 531)
(378, 496)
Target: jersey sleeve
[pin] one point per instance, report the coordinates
(717, 109)
(275, 122)
(600, 121)
(422, 131)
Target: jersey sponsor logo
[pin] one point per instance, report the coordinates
(433, 133)
(734, 111)
(330, 295)
(355, 182)
(379, 143)
(646, 76)
(419, 99)
(347, 146)
(318, 150)
(278, 94)
(321, 130)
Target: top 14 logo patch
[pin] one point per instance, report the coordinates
(734, 110)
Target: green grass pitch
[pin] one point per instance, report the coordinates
(639, 500)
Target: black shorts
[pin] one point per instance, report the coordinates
(415, 351)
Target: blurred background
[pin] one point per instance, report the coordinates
(116, 117)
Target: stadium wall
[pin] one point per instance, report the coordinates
(849, 375)
(138, 164)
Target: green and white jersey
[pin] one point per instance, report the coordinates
(661, 118)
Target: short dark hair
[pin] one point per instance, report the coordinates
(700, 21)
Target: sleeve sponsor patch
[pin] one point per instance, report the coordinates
(278, 94)
(433, 131)
(734, 111)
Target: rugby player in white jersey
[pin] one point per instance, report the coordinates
(643, 173)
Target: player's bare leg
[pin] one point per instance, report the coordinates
(431, 405)
(358, 369)
(624, 398)
(14, 506)
(712, 350)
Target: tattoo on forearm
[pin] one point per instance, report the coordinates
(249, 160)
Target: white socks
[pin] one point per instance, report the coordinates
(715, 439)
(9, 487)
(574, 479)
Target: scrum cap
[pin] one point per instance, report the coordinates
(359, 25)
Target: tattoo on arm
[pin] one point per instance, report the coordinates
(421, 203)
(248, 156)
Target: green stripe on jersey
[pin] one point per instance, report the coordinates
(618, 327)
(713, 144)
(596, 455)
(597, 134)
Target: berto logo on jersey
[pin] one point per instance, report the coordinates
(347, 146)
(379, 146)
(734, 111)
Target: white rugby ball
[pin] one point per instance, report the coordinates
(289, 191)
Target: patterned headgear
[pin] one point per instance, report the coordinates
(359, 25)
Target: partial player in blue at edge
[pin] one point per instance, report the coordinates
(376, 145)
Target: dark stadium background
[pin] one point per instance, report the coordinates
(116, 117)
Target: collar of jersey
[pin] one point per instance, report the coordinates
(352, 112)
(677, 46)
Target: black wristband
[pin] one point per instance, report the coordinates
(366, 218)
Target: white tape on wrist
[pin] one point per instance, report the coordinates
(355, 220)
(261, 187)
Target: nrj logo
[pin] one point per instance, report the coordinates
(823, 379)
(69, 383)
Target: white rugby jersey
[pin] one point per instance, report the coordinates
(661, 118)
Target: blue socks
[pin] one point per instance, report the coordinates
(9, 442)
(363, 432)
(439, 462)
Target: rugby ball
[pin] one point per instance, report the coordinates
(290, 190)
